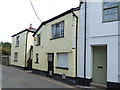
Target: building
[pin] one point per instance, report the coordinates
(21, 50)
(54, 46)
(100, 61)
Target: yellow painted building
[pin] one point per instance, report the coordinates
(21, 50)
(54, 45)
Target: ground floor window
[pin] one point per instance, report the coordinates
(62, 60)
(16, 57)
(37, 58)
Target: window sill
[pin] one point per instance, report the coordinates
(36, 62)
(57, 38)
(37, 45)
(109, 21)
(15, 60)
(16, 46)
(65, 68)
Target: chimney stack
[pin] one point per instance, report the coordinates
(30, 25)
(31, 28)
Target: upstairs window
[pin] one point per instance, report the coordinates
(38, 39)
(110, 10)
(17, 41)
(15, 57)
(58, 30)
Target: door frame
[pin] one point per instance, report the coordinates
(52, 63)
(92, 47)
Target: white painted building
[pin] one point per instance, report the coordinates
(102, 44)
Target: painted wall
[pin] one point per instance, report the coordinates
(60, 45)
(21, 48)
(119, 58)
(29, 44)
(99, 34)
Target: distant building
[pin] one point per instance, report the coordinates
(21, 50)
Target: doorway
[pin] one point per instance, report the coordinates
(50, 64)
(99, 64)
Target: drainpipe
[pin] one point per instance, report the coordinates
(76, 42)
(85, 44)
(26, 47)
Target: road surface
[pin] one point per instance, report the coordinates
(15, 78)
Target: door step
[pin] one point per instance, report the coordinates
(98, 85)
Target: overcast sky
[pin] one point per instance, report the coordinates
(17, 15)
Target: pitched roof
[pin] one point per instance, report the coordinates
(29, 30)
(56, 17)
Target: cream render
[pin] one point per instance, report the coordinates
(57, 46)
(22, 50)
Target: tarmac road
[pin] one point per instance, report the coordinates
(15, 78)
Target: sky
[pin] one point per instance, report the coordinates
(17, 15)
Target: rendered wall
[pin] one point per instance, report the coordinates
(21, 48)
(98, 34)
(60, 45)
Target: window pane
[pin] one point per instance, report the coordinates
(116, 16)
(110, 3)
(111, 14)
(36, 57)
(58, 30)
(17, 41)
(53, 31)
(105, 17)
(38, 39)
(115, 3)
(115, 10)
(50, 57)
(15, 56)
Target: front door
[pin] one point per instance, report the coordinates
(29, 62)
(50, 64)
(100, 64)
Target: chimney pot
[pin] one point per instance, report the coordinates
(30, 25)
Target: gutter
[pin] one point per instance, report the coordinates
(76, 42)
(26, 47)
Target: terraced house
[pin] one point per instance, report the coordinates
(99, 41)
(21, 50)
(54, 49)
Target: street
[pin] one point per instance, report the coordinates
(15, 78)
